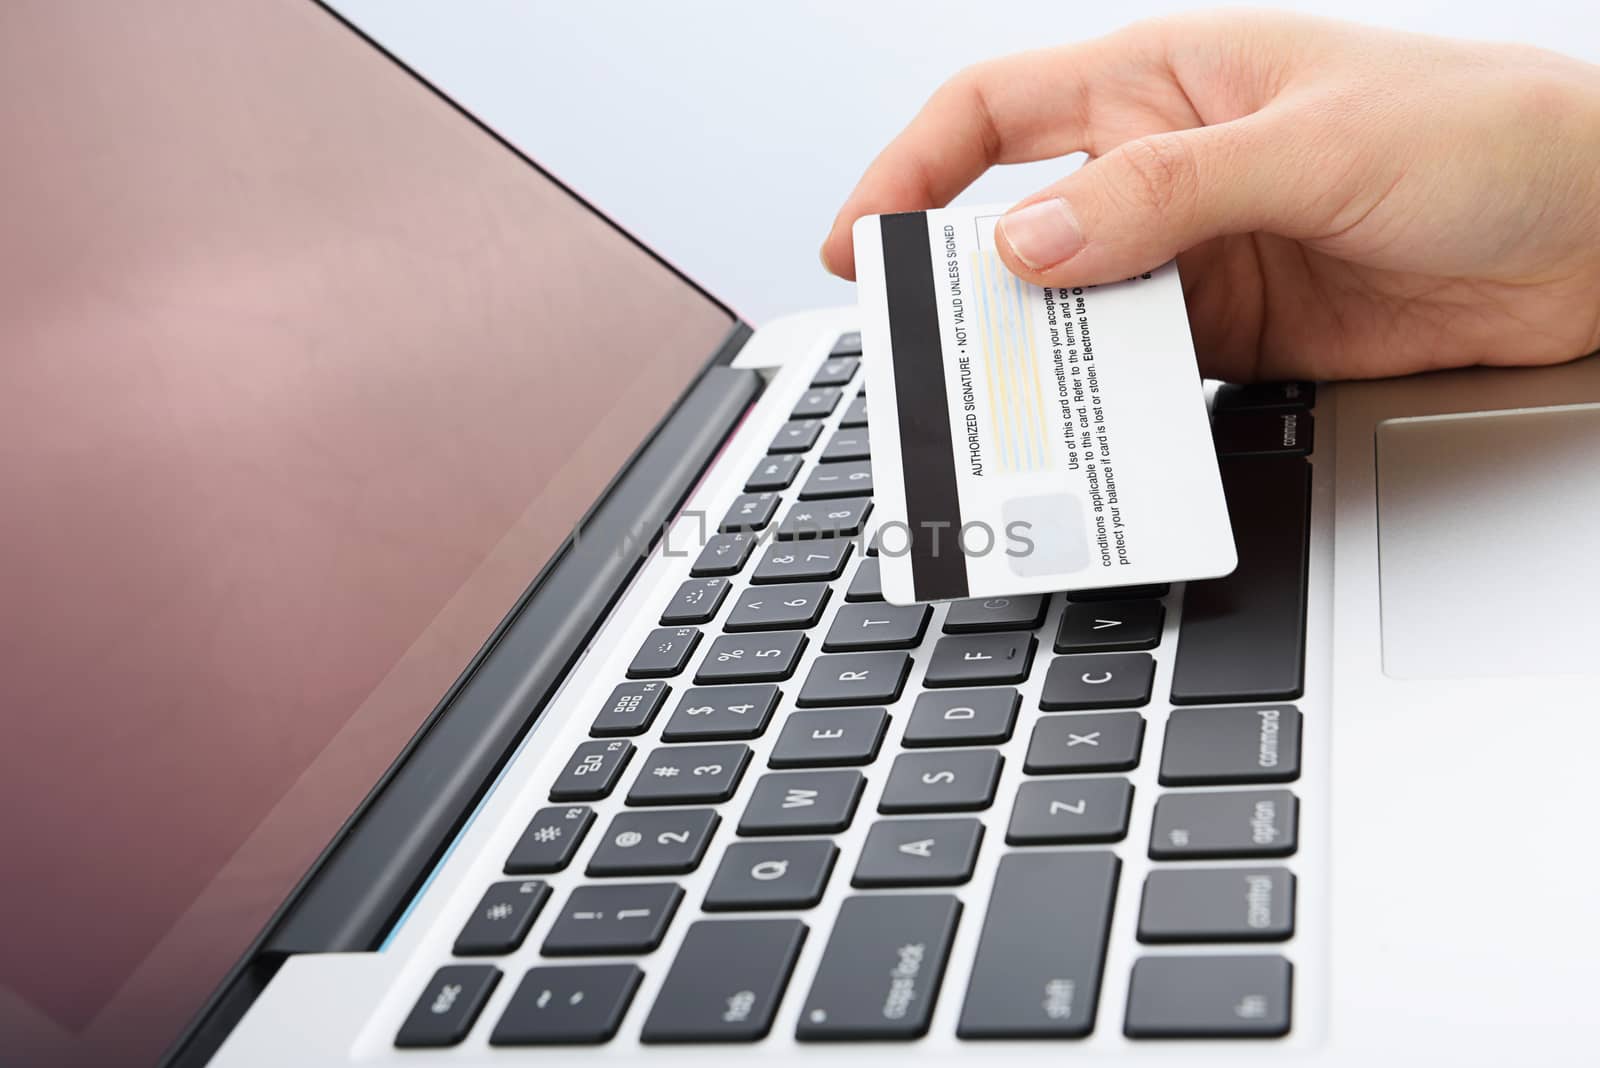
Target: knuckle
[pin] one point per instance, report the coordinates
(1160, 172)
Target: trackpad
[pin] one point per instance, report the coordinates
(1489, 543)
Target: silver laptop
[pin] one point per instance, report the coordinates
(436, 632)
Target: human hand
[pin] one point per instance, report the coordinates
(1343, 201)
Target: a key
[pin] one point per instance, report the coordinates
(568, 1005)
(1265, 397)
(502, 918)
(794, 606)
(664, 653)
(1121, 593)
(1092, 741)
(1069, 811)
(1282, 433)
(962, 717)
(613, 918)
(1232, 823)
(1242, 637)
(855, 413)
(880, 973)
(802, 802)
(723, 554)
(654, 843)
(726, 982)
(826, 519)
(630, 709)
(593, 771)
(995, 613)
(797, 435)
(1216, 746)
(849, 344)
(710, 713)
(918, 853)
(775, 472)
(816, 560)
(696, 601)
(1217, 905)
(1209, 997)
(750, 511)
(847, 445)
(866, 584)
(876, 626)
(836, 371)
(759, 876)
(1098, 680)
(1042, 952)
(851, 479)
(980, 659)
(689, 775)
(1110, 626)
(765, 656)
(829, 738)
(954, 780)
(551, 839)
(448, 1006)
(855, 679)
(816, 403)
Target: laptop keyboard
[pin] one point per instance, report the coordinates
(778, 643)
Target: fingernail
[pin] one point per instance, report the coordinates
(1043, 234)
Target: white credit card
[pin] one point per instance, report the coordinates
(1028, 440)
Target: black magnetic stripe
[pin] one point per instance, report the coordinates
(927, 459)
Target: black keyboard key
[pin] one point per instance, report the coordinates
(723, 554)
(848, 344)
(825, 519)
(1262, 433)
(836, 371)
(817, 560)
(750, 511)
(796, 606)
(797, 435)
(880, 973)
(775, 472)
(848, 444)
(1070, 811)
(502, 918)
(1121, 593)
(630, 709)
(826, 481)
(802, 802)
(1242, 637)
(962, 717)
(1042, 952)
(448, 1006)
(726, 982)
(568, 1006)
(1209, 997)
(696, 601)
(816, 403)
(1219, 746)
(830, 738)
(654, 843)
(1231, 823)
(550, 840)
(855, 413)
(1110, 626)
(876, 626)
(613, 918)
(689, 775)
(918, 853)
(710, 713)
(1098, 680)
(1217, 905)
(996, 613)
(866, 584)
(1093, 741)
(855, 679)
(593, 771)
(759, 657)
(664, 653)
(1265, 397)
(758, 876)
(954, 780)
(981, 659)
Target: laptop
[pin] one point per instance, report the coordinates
(438, 632)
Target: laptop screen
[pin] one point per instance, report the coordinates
(302, 380)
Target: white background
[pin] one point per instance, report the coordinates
(726, 133)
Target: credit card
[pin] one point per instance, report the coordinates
(1028, 440)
